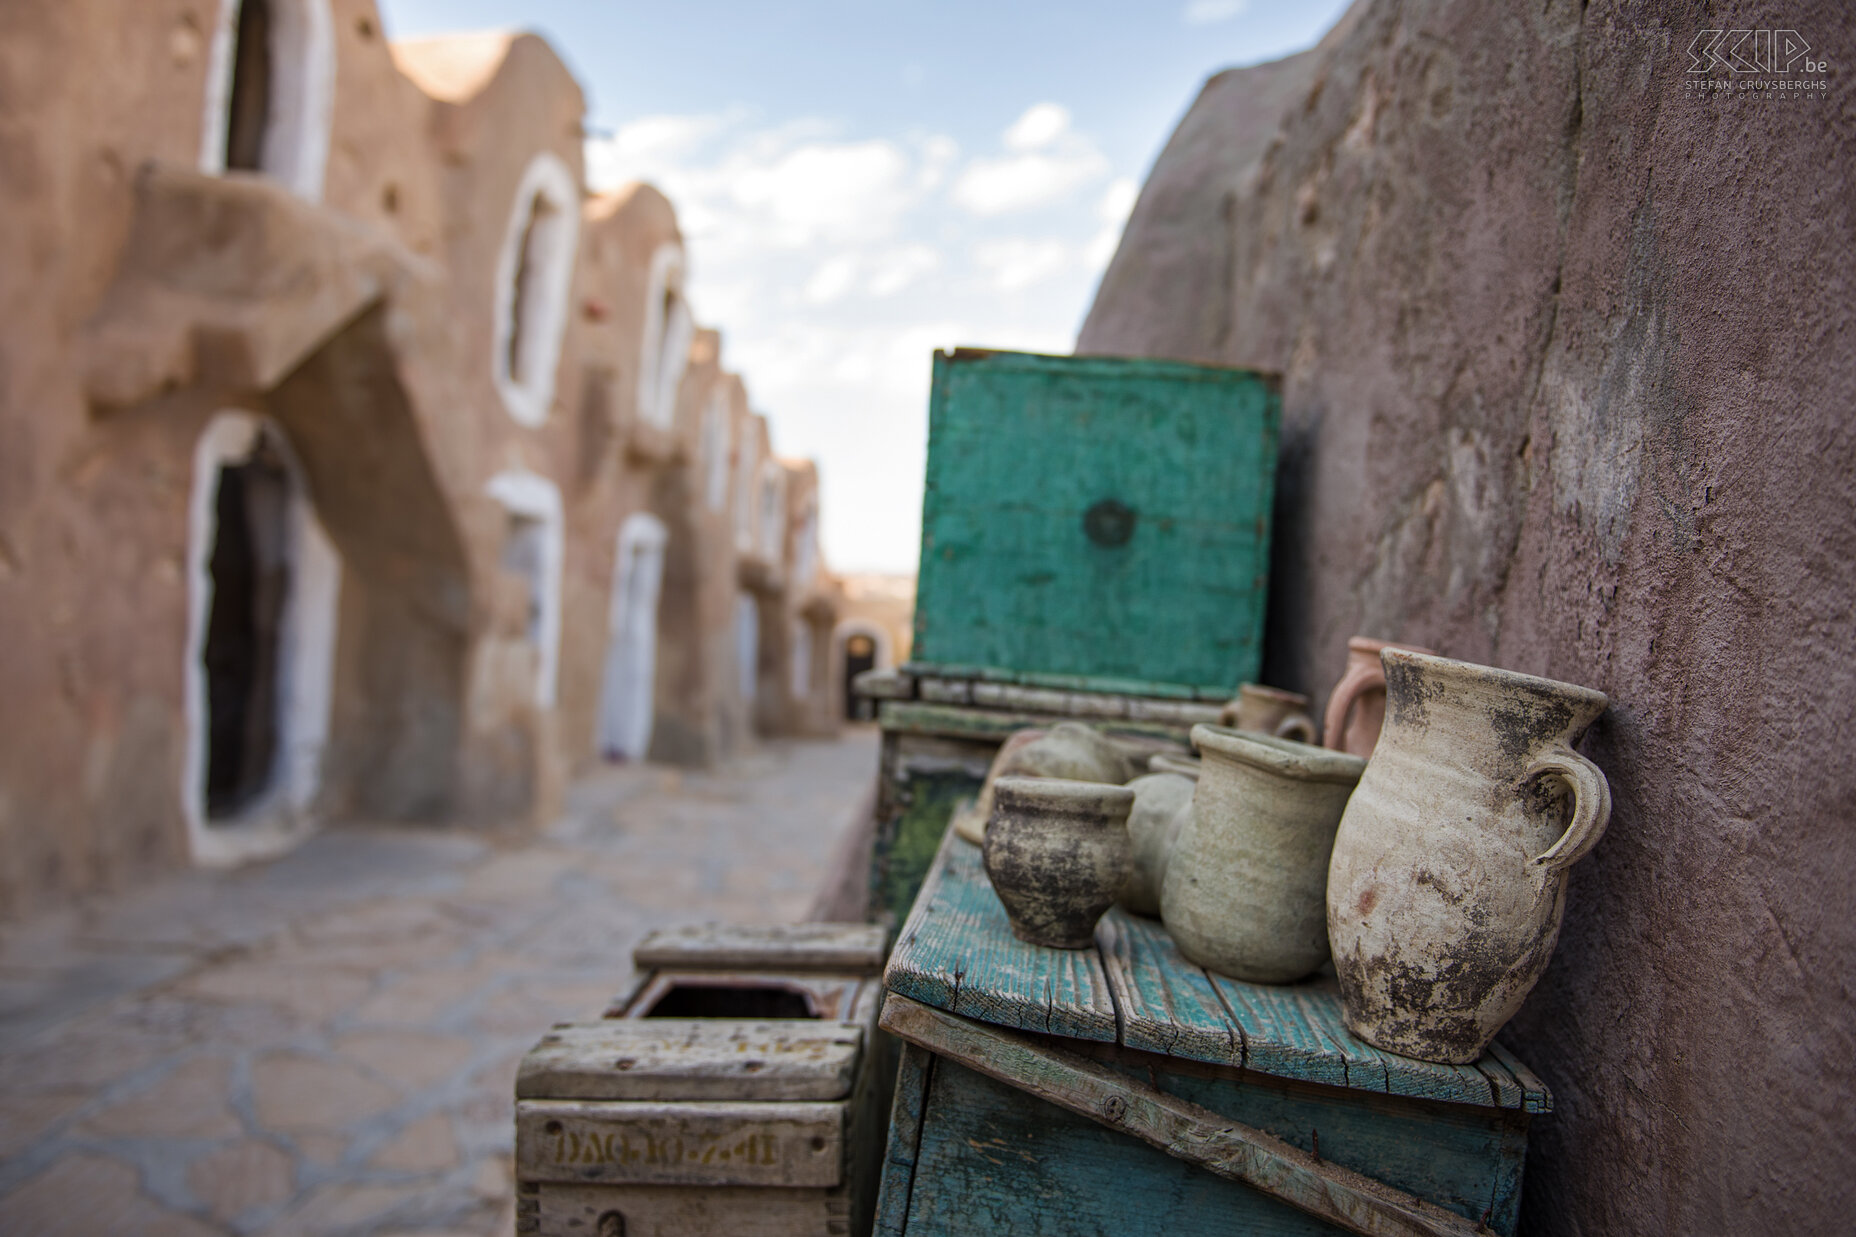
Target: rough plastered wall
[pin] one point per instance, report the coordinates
(1569, 370)
(90, 720)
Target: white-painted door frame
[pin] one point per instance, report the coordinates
(305, 663)
(628, 688)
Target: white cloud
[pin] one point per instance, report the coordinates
(1048, 162)
(1019, 263)
(847, 188)
(835, 263)
(1118, 200)
(938, 154)
(895, 270)
(832, 280)
(1210, 12)
(1021, 182)
(1113, 210)
(1042, 124)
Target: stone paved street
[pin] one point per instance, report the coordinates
(327, 1045)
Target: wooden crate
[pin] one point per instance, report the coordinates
(940, 733)
(1096, 522)
(653, 1126)
(1122, 1089)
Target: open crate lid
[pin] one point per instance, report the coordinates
(1097, 523)
(841, 948)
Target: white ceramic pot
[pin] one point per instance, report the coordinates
(1161, 801)
(1243, 893)
(1448, 878)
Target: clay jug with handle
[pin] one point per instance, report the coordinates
(1357, 706)
(1448, 876)
(1271, 711)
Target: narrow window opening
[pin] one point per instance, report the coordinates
(523, 359)
(747, 647)
(249, 111)
(250, 574)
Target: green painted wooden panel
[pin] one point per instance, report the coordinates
(907, 840)
(1097, 517)
(992, 1159)
(903, 1146)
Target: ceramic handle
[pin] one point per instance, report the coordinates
(1357, 679)
(1591, 806)
(1297, 726)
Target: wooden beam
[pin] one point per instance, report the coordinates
(1179, 1128)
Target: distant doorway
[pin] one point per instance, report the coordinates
(628, 692)
(858, 645)
(747, 647)
(250, 572)
(263, 585)
(859, 656)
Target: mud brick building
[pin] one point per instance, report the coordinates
(360, 462)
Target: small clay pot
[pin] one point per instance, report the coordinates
(1161, 801)
(1269, 710)
(1356, 709)
(1067, 750)
(1058, 852)
(1166, 762)
(1245, 888)
(971, 815)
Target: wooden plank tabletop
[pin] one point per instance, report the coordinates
(957, 953)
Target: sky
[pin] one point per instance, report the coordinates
(861, 183)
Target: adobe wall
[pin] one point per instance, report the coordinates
(94, 507)
(812, 600)
(1568, 371)
(611, 457)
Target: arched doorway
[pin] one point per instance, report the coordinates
(747, 647)
(270, 92)
(532, 550)
(263, 584)
(859, 656)
(628, 691)
(861, 645)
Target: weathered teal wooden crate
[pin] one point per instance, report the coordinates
(1097, 522)
(1122, 1089)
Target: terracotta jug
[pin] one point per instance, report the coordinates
(1449, 872)
(1270, 710)
(1057, 852)
(1161, 801)
(1357, 705)
(1243, 892)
